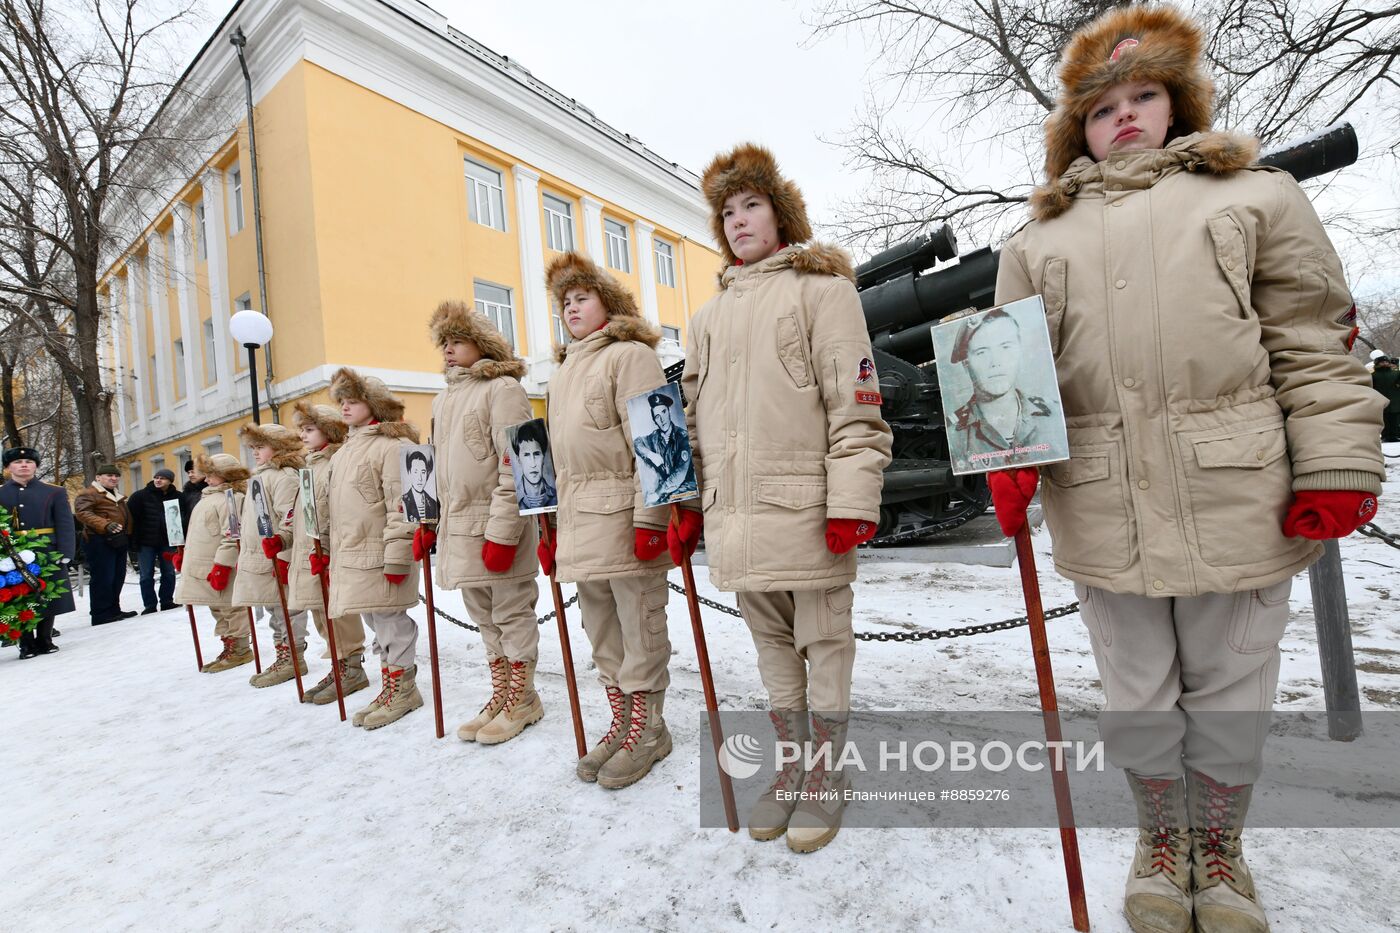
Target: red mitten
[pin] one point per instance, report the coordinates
(396, 578)
(271, 547)
(498, 558)
(1320, 514)
(218, 577)
(647, 544)
(318, 563)
(282, 569)
(178, 559)
(545, 552)
(842, 534)
(681, 539)
(1012, 491)
(423, 540)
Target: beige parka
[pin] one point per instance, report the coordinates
(1199, 317)
(304, 587)
(208, 541)
(785, 431)
(256, 584)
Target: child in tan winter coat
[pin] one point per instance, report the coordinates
(322, 432)
(278, 453)
(208, 564)
(485, 548)
(609, 542)
(783, 407)
(371, 544)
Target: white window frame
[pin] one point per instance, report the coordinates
(243, 302)
(177, 348)
(556, 322)
(665, 257)
(502, 314)
(235, 185)
(617, 245)
(487, 186)
(211, 357)
(212, 445)
(136, 482)
(558, 223)
(201, 230)
(670, 333)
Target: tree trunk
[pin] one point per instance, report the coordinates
(7, 403)
(94, 401)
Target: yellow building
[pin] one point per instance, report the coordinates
(400, 163)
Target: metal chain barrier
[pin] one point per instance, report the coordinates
(1372, 530)
(961, 631)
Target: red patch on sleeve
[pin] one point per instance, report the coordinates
(868, 398)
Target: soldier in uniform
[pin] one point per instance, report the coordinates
(667, 450)
(998, 419)
(37, 506)
(418, 506)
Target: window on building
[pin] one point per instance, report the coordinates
(201, 232)
(615, 235)
(151, 381)
(243, 302)
(558, 223)
(212, 446)
(136, 481)
(672, 334)
(665, 263)
(211, 359)
(157, 464)
(556, 319)
(494, 302)
(486, 201)
(235, 196)
(179, 347)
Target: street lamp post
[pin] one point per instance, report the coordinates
(253, 329)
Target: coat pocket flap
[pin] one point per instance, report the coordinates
(1250, 450)
(1231, 255)
(792, 494)
(604, 504)
(1082, 468)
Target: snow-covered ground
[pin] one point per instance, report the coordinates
(140, 794)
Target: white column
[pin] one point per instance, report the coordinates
(135, 311)
(646, 270)
(534, 296)
(593, 229)
(114, 323)
(682, 286)
(157, 269)
(190, 331)
(218, 286)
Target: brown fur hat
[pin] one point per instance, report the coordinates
(1168, 50)
(572, 270)
(324, 417)
(383, 404)
(287, 448)
(751, 166)
(225, 465)
(458, 320)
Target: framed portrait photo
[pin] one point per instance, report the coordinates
(1001, 396)
(532, 467)
(665, 468)
(174, 526)
(306, 503)
(418, 473)
(262, 508)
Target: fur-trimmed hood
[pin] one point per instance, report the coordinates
(753, 167)
(287, 448)
(618, 330)
(324, 417)
(383, 404)
(458, 320)
(1211, 153)
(1143, 42)
(573, 270)
(486, 370)
(816, 259)
(225, 465)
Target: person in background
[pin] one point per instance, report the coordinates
(1385, 379)
(189, 495)
(106, 522)
(37, 506)
(150, 540)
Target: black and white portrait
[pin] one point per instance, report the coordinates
(306, 504)
(235, 522)
(532, 467)
(420, 499)
(261, 508)
(661, 445)
(174, 526)
(1001, 397)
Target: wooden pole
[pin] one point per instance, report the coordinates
(707, 682)
(1050, 711)
(330, 628)
(432, 641)
(291, 636)
(194, 630)
(564, 648)
(253, 634)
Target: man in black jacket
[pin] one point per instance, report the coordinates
(37, 506)
(189, 495)
(151, 542)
